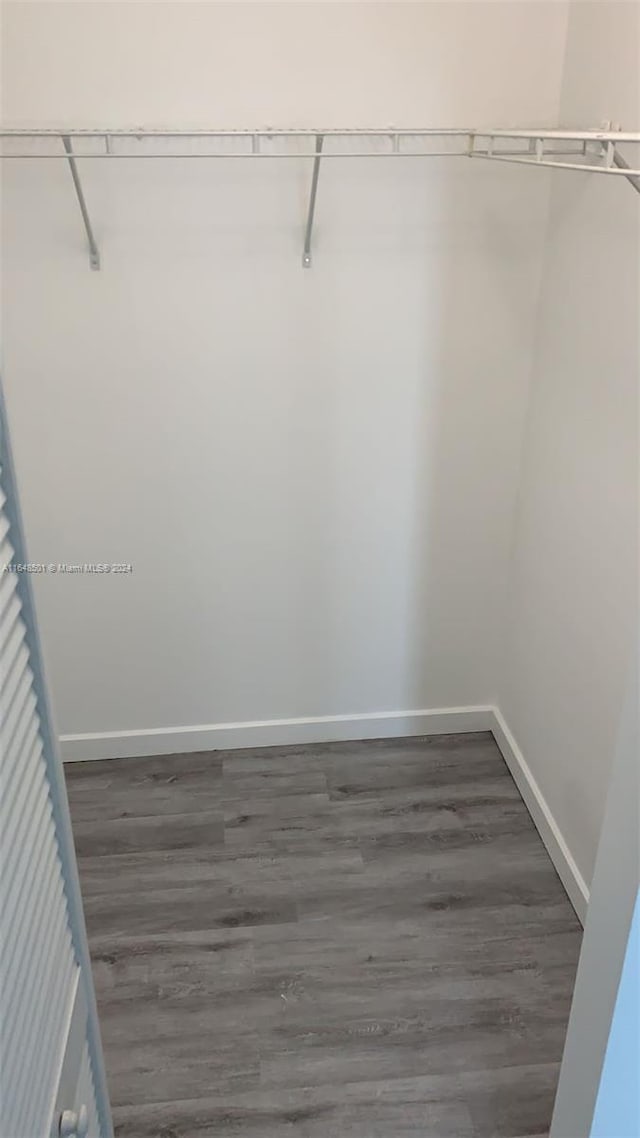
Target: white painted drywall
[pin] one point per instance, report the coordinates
(281, 64)
(573, 606)
(312, 473)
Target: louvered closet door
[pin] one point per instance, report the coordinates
(50, 1056)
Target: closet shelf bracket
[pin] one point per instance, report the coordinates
(306, 255)
(622, 164)
(94, 252)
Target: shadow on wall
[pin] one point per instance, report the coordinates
(483, 237)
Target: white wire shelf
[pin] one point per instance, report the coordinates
(587, 151)
(542, 146)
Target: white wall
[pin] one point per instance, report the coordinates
(573, 611)
(313, 473)
(281, 64)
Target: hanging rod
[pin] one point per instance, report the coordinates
(587, 151)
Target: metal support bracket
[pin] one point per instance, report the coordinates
(306, 256)
(622, 164)
(94, 252)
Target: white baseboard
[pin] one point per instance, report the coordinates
(274, 733)
(542, 816)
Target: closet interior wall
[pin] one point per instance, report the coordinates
(571, 618)
(312, 472)
(316, 475)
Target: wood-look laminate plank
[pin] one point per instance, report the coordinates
(516, 1102)
(440, 774)
(171, 969)
(271, 874)
(479, 1104)
(296, 824)
(145, 787)
(147, 1065)
(203, 906)
(334, 955)
(364, 939)
(241, 786)
(405, 1049)
(138, 834)
(408, 1108)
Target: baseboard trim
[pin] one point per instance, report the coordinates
(543, 819)
(274, 733)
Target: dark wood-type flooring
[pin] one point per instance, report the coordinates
(354, 940)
